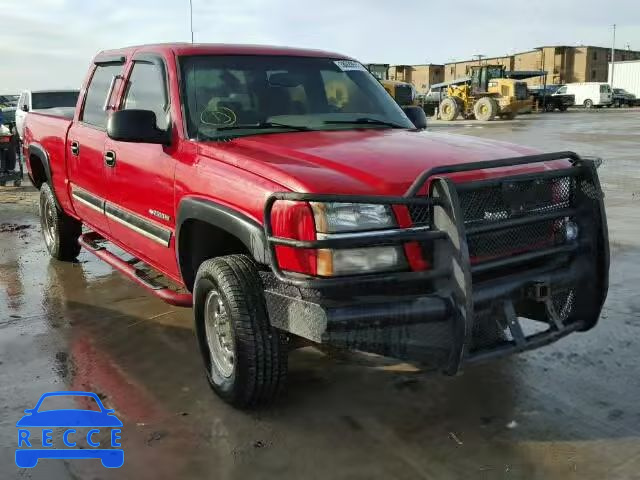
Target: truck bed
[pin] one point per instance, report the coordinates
(48, 132)
(62, 112)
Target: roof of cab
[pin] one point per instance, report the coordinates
(220, 49)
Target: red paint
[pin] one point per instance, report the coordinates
(242, 173)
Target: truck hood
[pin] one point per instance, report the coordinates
(372, 161)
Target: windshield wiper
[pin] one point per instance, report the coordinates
(366, 121)
(299, 128)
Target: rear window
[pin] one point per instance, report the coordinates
(44, 100)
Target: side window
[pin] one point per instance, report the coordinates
(93, 111)
(147, 90)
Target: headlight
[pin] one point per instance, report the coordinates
(570, 231)
(354, 261)
(351, 217)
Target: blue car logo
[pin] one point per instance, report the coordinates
(28, 452)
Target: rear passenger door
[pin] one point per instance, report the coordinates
(140, 207)
(85, 147)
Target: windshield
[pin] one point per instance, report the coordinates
(245, 95)
(44, 100)
(10, 100)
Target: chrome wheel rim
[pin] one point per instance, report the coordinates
(219, 333)
(47, 220)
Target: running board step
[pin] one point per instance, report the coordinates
(92, 242)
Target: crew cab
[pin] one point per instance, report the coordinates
(288, 199)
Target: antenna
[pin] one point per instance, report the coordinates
(191, 16)
(613, 55)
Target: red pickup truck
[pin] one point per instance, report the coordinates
(285, 196)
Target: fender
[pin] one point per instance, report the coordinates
(247, 230)
(38, 150)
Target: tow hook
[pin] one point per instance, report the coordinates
(540, 292)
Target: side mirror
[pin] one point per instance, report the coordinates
(25, 108)
(416, 115)
(138, 126)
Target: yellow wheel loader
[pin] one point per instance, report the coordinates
(484, 95)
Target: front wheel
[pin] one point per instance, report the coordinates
(449, 109)
(485, 109)
(60, 231)
(588, 103)
(244, 356)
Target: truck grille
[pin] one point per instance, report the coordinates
(510, 199)
(513, 199)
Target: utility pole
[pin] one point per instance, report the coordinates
(480, 57)
(191, 16)
(613, 54)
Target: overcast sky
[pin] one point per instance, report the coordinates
(49, 43)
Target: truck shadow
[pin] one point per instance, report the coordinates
(147, 367)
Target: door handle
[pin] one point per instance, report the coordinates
(75, 148)
(110, 158)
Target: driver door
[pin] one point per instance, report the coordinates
(140, 205)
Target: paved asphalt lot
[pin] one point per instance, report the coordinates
(567, 411)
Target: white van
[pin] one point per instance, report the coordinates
(588, 94)
(58, 102)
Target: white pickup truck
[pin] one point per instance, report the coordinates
(57, 102)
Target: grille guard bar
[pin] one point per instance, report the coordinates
(452, 271)
(409, 199)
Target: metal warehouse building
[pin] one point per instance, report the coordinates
(626, 75)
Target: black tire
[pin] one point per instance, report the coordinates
(550, 107)
(2, 183)
(588, 103)
(17, 183)
(60, 231)
(485, 109)
(259, 352)
(563, 108)
(449, 109)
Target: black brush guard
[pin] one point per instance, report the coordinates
(435, 315)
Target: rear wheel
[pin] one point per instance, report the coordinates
(60, 231)
(562, 108)
(449, 109)
(244, 356)
(588, 103)
(550, 107)
(485, 109)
